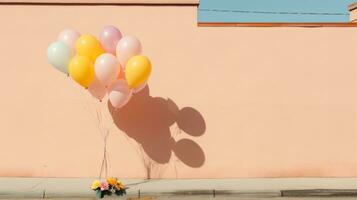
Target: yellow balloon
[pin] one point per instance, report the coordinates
(87, 45)
(81, 70)
(137, 70)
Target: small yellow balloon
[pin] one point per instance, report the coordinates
(137, 70)
(81, 69)
(87, 45)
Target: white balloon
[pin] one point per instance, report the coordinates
(119, 94)
(127, 47)
(69, 36)
(107, 68)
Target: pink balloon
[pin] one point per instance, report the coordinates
(109, 38)
(119, 94)
(107, 68)
(69, 37)
(139, 88)
(97, 90)
(127, 47)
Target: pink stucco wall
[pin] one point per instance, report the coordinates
(255, 102)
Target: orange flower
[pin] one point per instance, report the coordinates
(119, 185)
(112, 181)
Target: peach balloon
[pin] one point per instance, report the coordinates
(97, 90)
(119, 94)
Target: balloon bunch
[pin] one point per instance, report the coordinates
(111, 64)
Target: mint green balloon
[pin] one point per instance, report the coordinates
(59, 55)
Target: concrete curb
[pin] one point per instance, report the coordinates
(80, 187)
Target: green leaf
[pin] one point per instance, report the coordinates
(99, 194)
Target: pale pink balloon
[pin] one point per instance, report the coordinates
(119, 94)
(107, 68)
(109, 38)
(69, 37)
(127, 47)
(139, 88)
(97, 90)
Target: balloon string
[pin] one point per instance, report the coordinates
(104, 165)
(104, 133)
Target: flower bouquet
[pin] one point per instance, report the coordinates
(108, 187)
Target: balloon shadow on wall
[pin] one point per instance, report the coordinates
(148, 119)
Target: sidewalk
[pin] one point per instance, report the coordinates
(173, 189)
